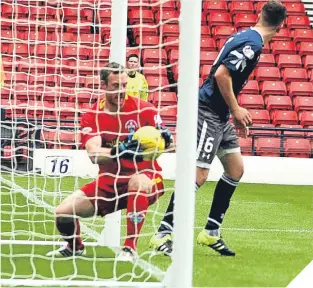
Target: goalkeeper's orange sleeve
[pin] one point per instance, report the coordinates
(2, 75)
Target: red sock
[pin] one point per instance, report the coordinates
(68, 229)
(137, 205)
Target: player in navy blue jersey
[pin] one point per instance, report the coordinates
(216, 135)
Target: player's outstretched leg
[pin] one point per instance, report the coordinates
(68, 224)
(211, 234)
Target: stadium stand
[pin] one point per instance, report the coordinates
(54, 63)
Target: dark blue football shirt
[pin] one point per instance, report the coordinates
(240, 55)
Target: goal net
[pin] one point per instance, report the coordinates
(52, 52)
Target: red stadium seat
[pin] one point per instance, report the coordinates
(262, 132)
(283, 47)
(78, 26)
(157, 5)
(282, 35)
(64, 109)
(175, 72)
(148, 41)
(223, 32)
(75, 52)
(274, 88)
(306, 118)
(32, 65)
(294, 22)
(266, 48)
(13, 78)
(144, 30)
(100, 53)
(160, 83)
(302, 35)
(305, 48)
(92, 40)
(267, 74)
(43, 12)
(278, 102)
(214, 6)
(295, 8)
(169, 30)
(303, 103)
(293, 133)
(164, 98)
(207, 44)
(204, 20)
(251, 101)
(169, 114)
(205, 31)
(291, 61)
(299, 148)
(207, 57)
(308, 62)
(284, 117)
(139, 15)
(50, 25)
(154, 69)
(300, 89)
(104, 15)
(260, 116)
(154, 56)
(167, 16)
(23, 50)
(70, 80)
(13, 10)
(268, 147)
(173, 56)
(241, 7)
(219, 18)
(74, 13)
(205, 71)
(245, 20)
(294, 74)
(54, 95)
(245, 146)
(42, 79)
(171, 43)
(252, 87)
(266, 60)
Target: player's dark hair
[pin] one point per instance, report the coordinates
(273, 13)
(132, 55)
(110, 68)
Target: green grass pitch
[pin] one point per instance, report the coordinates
(269, 226)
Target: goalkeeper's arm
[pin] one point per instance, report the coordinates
(96, 153)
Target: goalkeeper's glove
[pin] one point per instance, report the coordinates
(166, 134)
(128, 150)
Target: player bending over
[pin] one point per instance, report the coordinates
(216, 136)
(126, 180)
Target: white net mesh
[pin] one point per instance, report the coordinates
(52, 52)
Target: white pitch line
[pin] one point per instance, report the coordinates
(265, 230)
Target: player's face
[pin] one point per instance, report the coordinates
(115, 90)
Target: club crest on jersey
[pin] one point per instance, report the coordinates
(248, 52)
(131, 124)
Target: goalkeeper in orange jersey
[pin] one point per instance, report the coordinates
(126, 179)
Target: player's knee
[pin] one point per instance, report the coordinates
(139, 183)
(62, 211)
(201, 175)
(237, 173)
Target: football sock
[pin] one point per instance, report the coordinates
(223, 192)
(137, 205)
(71, 230)
(167, 222)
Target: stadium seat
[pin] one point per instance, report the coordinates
(154, 69)
(294, 74)
(302, 35)
(266, 48)
(305, 48)
(23, 50)
(139, 15)
(100, 53)
(210, 6)
(299, 148)
(262, 132)
(157, 5)
(86, 67)
(160, 83)
(92, 40)
(268, 146)
(167, 16)
(266, 60)
(251, 101)
(205, 71)
(104, 15)
(64, 109)
(31, 65)
(16, 78)
(292, 133)
(284, 117)
(278, 103)
(252, 87)
(223, 31)
(43, 12)
(267, 74)
(245, 146)
(146, 30)
(169, 114)
(59, 66)
(54, 96)
(164, 98)
(207, 57)
(303, 103)
(306, 118)
(283, 47)
(148, 41)
(13, 11)
(46, 51)
(207, 44)
(174, 56)
(243, 7)
(174, 69)
(42, 79)
(171, 43)
(154, 56)
(204, 20)
(300, 89)
(206, 31)
(274, 88)
(219, 18)
(78, 26)
(259, 116)
(282, 35)
(245, 20)
(83, 96)
(50, 25)
(74, 13)
(308, 62)
(289, 61)
(295, 8)
(294, 22)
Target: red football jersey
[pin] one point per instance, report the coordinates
(113, 127)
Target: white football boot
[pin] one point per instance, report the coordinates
(66, 251)
(127, 255)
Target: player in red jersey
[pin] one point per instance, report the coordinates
(125, 181)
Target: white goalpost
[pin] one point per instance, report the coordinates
(28, 200)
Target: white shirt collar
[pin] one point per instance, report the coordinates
(252, 28)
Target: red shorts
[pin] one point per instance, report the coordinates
(109, 200)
